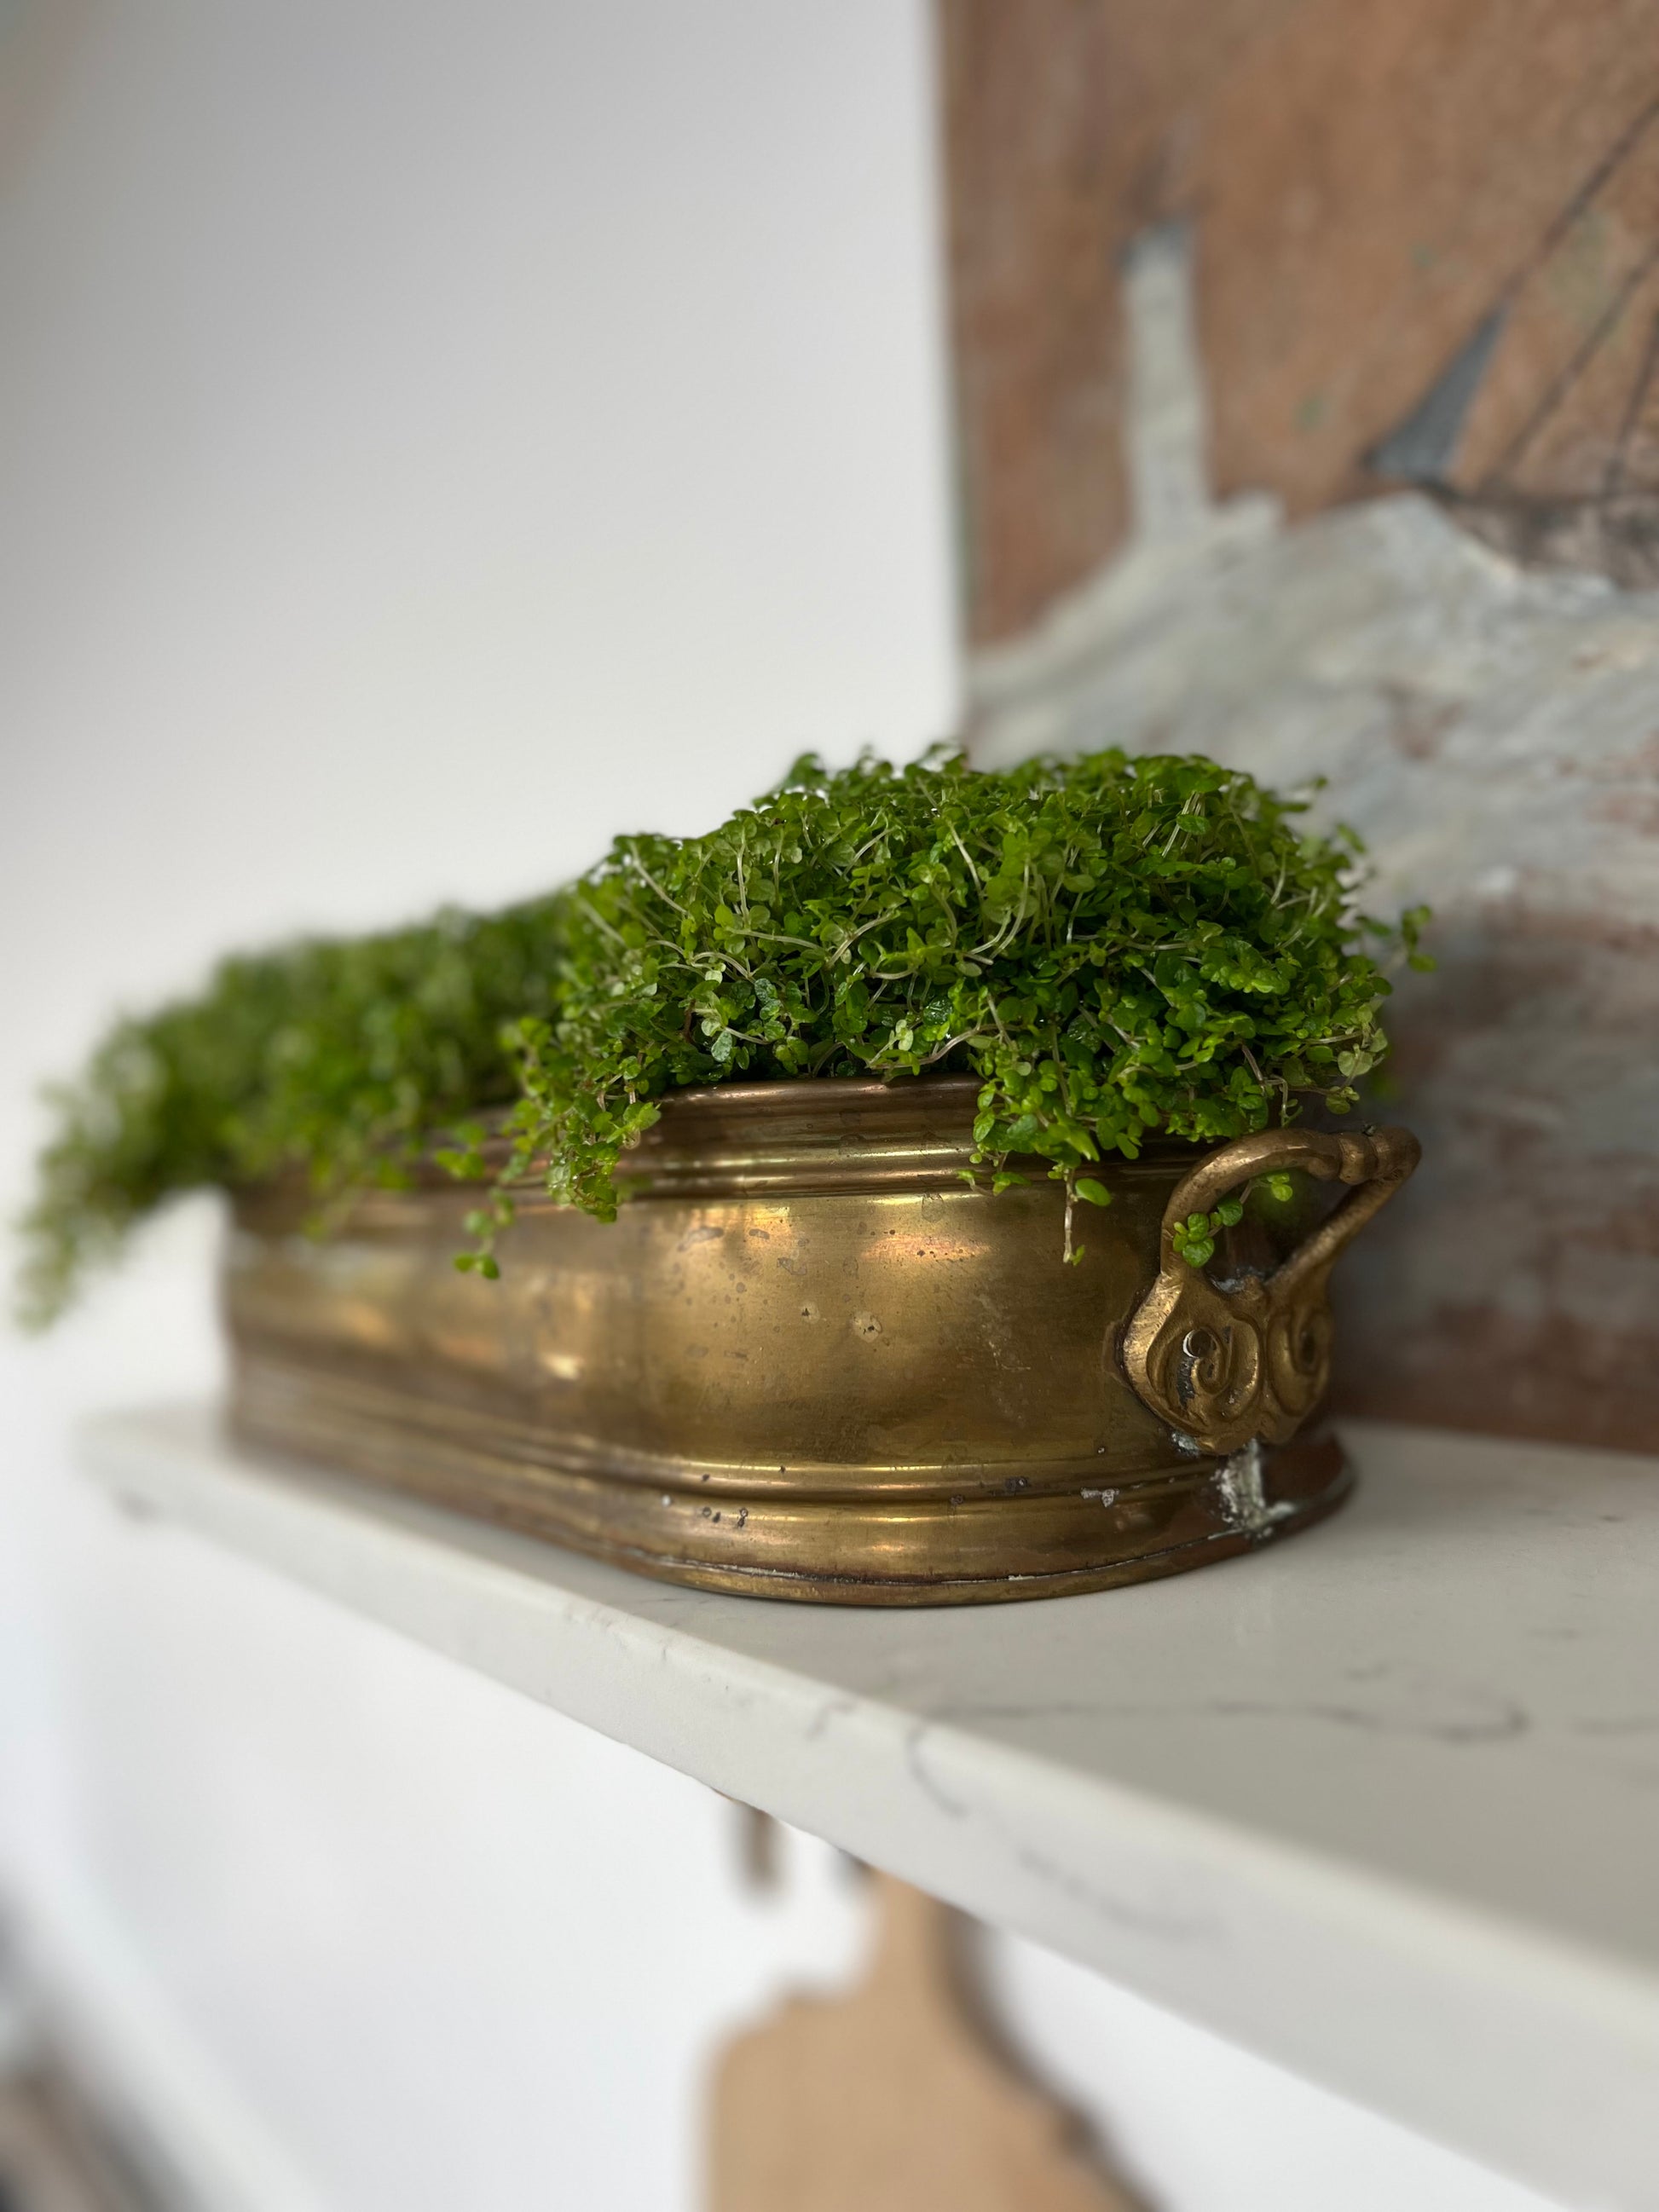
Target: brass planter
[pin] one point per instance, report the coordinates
(808, 1361)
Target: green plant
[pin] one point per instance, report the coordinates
(337, 1058)
(1116, 947)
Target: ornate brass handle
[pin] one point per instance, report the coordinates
(1225, 1363)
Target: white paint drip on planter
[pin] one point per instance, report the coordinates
(1241, 1483)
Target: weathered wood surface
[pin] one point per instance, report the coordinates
(1419, 242)
(1494, 735)
(890, 2099)
(1427, 250)
(51, 2156)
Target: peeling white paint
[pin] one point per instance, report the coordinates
(1240, 1483)
(1478, 722)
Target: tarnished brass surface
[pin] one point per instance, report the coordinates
(807, 1360)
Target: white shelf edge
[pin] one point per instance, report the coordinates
(1538, 2056)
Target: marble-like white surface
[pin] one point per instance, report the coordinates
(1381, 1803)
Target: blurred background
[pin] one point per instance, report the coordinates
(430, 442)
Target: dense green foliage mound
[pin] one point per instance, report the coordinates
(1116, 947)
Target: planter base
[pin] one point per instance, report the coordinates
(672, 1521)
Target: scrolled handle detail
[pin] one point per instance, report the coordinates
(1228, 1365)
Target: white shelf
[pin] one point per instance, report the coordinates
(1381, 1803)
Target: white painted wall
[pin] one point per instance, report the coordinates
(431, 439)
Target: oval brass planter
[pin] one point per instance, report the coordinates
(808, 1360)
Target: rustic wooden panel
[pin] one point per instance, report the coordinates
(1379, 194)
(39, 43)
(1068, 127)
(1521, 1293)
(891, 2099)
(1410, 246)
(54, 2157)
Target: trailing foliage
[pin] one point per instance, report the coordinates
(1116, 947)
(337, 1057)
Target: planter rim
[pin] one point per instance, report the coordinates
(921, 1122)
(786, 1088)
